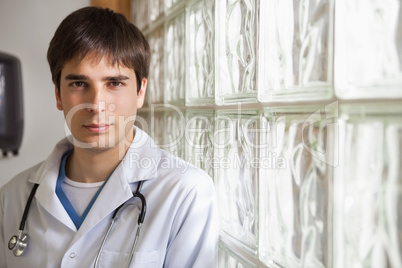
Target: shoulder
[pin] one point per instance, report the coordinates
(19, 183)
(185, 176)
(171, 165)
(35, 174)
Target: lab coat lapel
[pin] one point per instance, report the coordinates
(142, 159)
(46, 177)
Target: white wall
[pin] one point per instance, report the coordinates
(26, 27)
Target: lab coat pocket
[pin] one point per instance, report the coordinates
(141, 259)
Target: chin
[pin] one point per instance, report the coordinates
(95, 142)
(98, 149)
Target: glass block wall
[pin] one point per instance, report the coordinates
(295, 110)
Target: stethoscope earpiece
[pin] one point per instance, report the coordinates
(18, 244)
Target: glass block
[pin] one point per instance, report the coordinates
(236, 180)
(228, 258)
(157, 126)
(296, 50)
(296, 161)
(200, 59)
(148, 94)
(174, 60)
(199, 134)
(155, 9)
(155, 86)
(143, 120)
(171, 3)
(173, 127)
(368, 49)
(139, 13)
(236, 46)
(368, 191)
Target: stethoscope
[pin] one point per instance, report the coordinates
(19, 243)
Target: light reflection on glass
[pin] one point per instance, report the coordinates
(368, 195)
(294, 192)
(236, 176)
(140, 13)
(155, 86)
(368, 54)
(155, 9)
(236, 59)
(174, 60)
(200, 35)
(295, 50)
(199, 135)
(173, 127)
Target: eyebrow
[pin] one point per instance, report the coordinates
(76, 77)
(115, 78)
(106, 78)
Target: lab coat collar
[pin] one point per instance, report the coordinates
(130, 170)
(46, 177)
(142, 158)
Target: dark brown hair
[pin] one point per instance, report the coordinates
(103, 32)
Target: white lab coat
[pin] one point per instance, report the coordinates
(180, 227)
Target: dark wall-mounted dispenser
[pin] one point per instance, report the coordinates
(11, 110)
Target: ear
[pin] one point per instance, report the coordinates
(58, 99)
(141, 93)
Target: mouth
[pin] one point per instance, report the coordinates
(97, 128)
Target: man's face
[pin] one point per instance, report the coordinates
(99, 101)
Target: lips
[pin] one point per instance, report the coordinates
(97, 128)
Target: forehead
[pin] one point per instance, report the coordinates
(93, 61)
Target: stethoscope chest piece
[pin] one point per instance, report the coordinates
(18, 244)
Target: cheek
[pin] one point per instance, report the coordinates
(69, 110)
(74, 113)
(73, 118)
(68, 101)
(125, 113)
(126, 106)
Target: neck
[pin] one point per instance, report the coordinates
(90, 166)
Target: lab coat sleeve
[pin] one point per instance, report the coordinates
(195, 230)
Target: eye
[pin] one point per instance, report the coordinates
(78, 84)
(115, 84)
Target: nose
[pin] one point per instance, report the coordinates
(96, 100)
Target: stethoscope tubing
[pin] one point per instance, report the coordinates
(140, 221)
(103, 243)
(28, 206)
(18, 244)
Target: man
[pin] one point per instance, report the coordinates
(99, 64)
